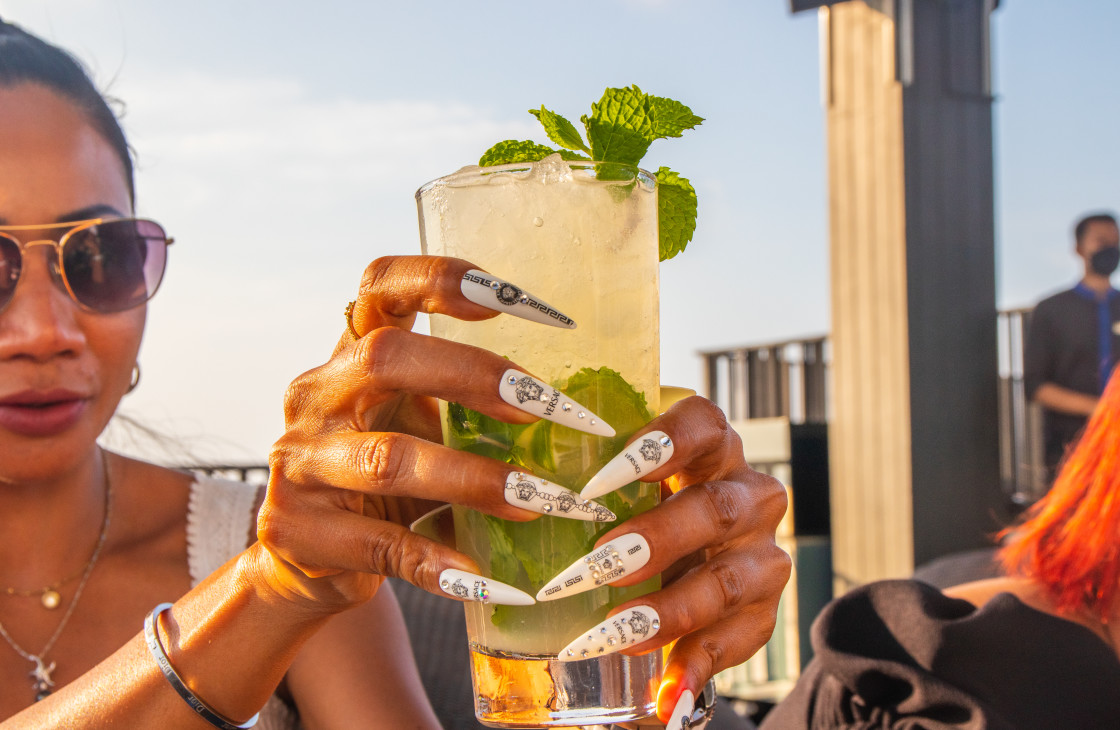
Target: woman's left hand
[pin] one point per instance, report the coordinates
(713, 540)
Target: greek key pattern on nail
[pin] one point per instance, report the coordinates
(610, 562)
(535, 494)
(503, 296)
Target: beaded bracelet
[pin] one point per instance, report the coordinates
(155, 646)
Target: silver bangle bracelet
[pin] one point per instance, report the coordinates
(203, 710)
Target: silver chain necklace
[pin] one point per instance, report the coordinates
(41, 674)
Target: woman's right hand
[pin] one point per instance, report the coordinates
(361, 456)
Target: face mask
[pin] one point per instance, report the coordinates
(1105, 261)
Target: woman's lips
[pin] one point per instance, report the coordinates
(44, 414)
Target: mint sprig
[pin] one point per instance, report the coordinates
(621, 127)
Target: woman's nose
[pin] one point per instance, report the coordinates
(41, 320)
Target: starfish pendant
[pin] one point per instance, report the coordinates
(42, 676)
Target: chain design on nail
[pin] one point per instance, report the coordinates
(526, 491)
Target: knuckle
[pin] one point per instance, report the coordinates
(371, 352)
(296, 397)
(728, 586)
(382, 553)
(379, 459)
(722, 505)
(375, 273)
(712, 652)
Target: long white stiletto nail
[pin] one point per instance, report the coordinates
(502, 296)
(537, 495)
(541, 399)
(621, 631)
(471, 587)
(620, 556)
(681, 719)
(645, 454)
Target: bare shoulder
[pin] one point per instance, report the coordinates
(151, 500)
(979, 592)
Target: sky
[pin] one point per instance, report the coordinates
(281, 143)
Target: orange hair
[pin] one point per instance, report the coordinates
(1070, 541)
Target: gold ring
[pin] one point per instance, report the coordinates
(350, 321)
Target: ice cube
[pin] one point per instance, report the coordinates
(552, 169)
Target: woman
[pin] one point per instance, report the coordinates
(1039, 648)
(91, 541)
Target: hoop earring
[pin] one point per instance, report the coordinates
(135, 379)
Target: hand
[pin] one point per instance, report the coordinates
(713, 541)
(361, 458)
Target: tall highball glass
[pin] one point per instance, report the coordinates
(583, 237)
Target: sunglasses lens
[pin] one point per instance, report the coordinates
(10, 261)
(115, 265)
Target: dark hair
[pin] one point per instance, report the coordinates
(28, 59)
(1083, 224)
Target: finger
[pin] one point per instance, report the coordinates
(395, 288)
(348, 542)
(385, 364)
(705, 516)
(719, 588)
(392, 465)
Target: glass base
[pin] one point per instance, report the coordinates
(518, 691)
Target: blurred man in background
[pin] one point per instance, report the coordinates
(1073, 341)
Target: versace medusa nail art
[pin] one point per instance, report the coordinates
(620, 556)
(621, 631)
(541, 399)
(537, 495)
(645, 454)
(502, 296)
(681, 719)
(471, 587)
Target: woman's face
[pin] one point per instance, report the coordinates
(62, 370)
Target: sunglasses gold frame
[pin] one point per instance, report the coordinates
(58, 270)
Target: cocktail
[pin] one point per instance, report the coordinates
(582, 237)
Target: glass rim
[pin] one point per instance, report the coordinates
(477, 171)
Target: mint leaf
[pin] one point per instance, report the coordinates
(620, 128)
(670, 117)
(676, 213)
(559, 129)
(512, 150)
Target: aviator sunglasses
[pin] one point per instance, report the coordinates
(105, 265)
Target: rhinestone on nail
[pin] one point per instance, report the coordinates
(445, 584)
(495, 285)
(656, 624)
(665, 441)
(547, 507)
(603, 630)
(566, 407)
(583, 653)
(511, 380)
(593, 421)
(581, 414)
(524, 298)
(610, 641)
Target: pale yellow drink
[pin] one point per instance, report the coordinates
(583, 238)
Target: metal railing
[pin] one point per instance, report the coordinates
(791, 379)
